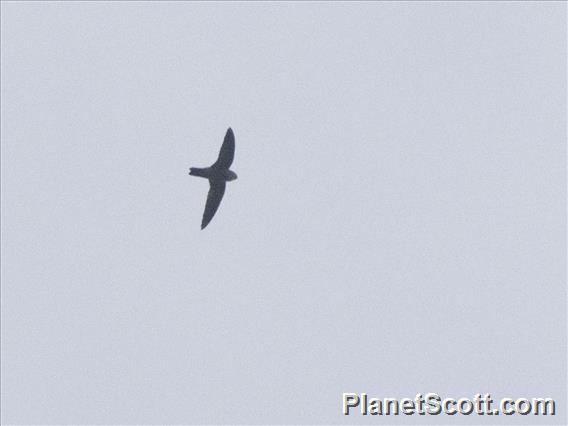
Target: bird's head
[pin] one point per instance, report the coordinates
(231, 175)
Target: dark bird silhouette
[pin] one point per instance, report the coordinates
(217, 174)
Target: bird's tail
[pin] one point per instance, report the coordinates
(195, 171)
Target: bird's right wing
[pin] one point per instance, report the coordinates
(216, 192)
(227, 152)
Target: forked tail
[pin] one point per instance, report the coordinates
(196, 171)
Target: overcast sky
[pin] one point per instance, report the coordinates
(398, 225)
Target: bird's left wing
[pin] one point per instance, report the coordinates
(216, 192)
(227, 153)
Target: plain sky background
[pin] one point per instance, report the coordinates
(398, 225)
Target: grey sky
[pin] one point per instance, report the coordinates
(398, 225)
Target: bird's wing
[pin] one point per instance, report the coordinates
(216, 191)
(227, 152)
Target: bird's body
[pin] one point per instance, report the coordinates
(217, 174)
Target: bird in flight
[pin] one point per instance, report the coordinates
(218, 174)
